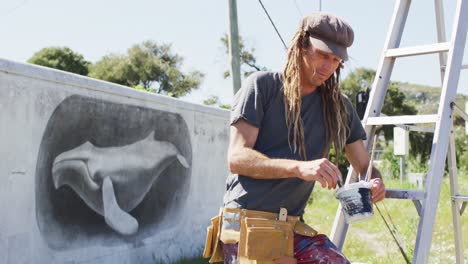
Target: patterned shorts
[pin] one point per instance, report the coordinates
(307, 250)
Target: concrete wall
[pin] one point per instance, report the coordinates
(93, 172)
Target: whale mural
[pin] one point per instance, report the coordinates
(113, 181)
(108, 173)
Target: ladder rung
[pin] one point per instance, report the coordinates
(463, 198)
(426, 129)
(464, 67)
(405, 194)
(418, 50)
(406, 119)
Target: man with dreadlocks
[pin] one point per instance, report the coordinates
(282, 128)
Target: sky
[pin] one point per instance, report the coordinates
(95, 28)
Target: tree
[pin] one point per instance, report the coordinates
(61, 58)
(357, 80)
(114, 68)
(149, 65)
(246, 57)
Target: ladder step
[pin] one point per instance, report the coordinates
(418, 50)
(405, 194)
(405, 119)
(463, 198)
(426, 129)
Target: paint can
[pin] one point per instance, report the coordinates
(356, 201)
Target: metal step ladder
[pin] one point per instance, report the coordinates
(450, 56)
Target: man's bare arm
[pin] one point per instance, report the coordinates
(244, 160)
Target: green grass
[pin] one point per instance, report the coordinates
(370, 241)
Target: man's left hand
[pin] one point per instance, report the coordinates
(377, 190)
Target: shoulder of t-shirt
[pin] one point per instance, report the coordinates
(267, 82)
(347, 101)
(264, 76)
(349, 106)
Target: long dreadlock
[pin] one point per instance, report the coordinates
(334, 109)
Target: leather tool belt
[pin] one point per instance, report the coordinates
(262, 236)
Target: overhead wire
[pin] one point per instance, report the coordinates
(394, 234)
(8, 12)
(273, 24)
(297, 8)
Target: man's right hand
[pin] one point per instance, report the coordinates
(321, 170)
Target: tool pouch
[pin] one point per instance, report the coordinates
(260, 235)
(303, 229)
(263, 240)
(213, 246)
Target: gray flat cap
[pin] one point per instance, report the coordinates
(329, 33)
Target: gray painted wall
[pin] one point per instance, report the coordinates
(93, 172)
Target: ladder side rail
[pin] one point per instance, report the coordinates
(452, 160)
(453, 174)
(441, 133)
(441, 36)
(400, 13)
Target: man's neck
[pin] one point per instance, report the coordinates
(306, 87)
(307, 90)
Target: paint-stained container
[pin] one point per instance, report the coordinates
(356, 201)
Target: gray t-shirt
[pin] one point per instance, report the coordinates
(260, 103)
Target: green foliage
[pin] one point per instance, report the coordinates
(140, 88)
(114, 68)
(225, 106)
(461, 148)
(395, 104)
(420, 145)
(247, 57)
(358, 80)
(150, 65)
(61, 58)
(214, 100)
(341, 161)
(390, 163)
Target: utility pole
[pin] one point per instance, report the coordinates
(320, 5)
(234, 51)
